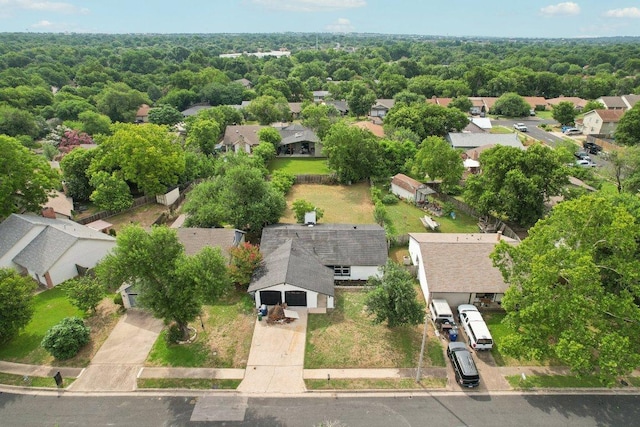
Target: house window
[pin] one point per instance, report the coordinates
(341, 270)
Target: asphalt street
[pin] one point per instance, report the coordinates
(468, 409)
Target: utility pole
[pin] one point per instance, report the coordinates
(424, 340)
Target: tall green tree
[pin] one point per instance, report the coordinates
(149, 156)
(360, 99)
(319, 117)
(165, 115)
(120, 102)
(268, 109)
(516, 183)
(170, 284)
(270, 135)
(511, 105)
(26, 179)
(353, 153)
(16, 308)
(85, 292)
(565, 112)
(393, 298)
(110, 192)
(204, 135)
(74, 172)
(573, 293)
(628, 130)
(439, 161)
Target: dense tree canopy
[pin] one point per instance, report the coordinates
(26, 179)
(147, 156)
(439, 161)
(628, 129)
(426, 119)
(516, 183)
(574, 287)
(511, 105)
(353, 153)
(16, 309)
(565, 112)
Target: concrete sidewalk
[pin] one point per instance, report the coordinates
(37, 370)
(116, 365)
(276, 359)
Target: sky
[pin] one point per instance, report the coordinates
(454, 18)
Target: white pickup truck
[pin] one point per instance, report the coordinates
(520, 126)
(475, 328)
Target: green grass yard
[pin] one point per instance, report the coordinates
(50, 307)
(300, 166)
(406, 219)
(553, 381)
(347, 338)
(188, 383)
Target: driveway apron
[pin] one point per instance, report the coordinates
(117, 363)
(276, 359)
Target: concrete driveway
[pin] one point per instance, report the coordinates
(116, 365)
(276, 359)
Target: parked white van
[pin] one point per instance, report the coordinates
(440, 311)
(475, 328)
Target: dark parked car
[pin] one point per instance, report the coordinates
(582, 155)
(592, 147)
(463, 365)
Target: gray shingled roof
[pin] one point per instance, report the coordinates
(195, 239)
(473, 140)
(295, 265)
(460, 262)
(333, 244)
(297, 133)
(47, 246)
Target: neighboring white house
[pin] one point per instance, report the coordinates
(50, 250)
(601, 122)
(301, 262)
(457, 267)
(409, 189)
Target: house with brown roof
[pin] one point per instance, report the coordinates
(374, 128)
(142, 115)
(601, 122)
(457, 267)
(578, 103)
(240, 138)
(408, 188)
(612, 102)
(536, 102)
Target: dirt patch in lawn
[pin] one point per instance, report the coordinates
(229, 338)
(342, 204)
(101, 324)
(144, 216)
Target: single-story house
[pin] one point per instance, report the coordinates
(409, 189)
(244, 82)
(341, 106)
(381, 107)
(613, 102)
(536, 102)
(457, 267)
(297, 139)
(142, 115)
(295, 108)
(601, 122)
(577, 102)
(301, 262)
(240, 138)
(478, 125)
(374, 128)
(50, 250)
(193, 240)
(467, 141)
(320, 95)
(195, 109)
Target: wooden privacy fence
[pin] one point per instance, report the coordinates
(317, 179)
(106, 214)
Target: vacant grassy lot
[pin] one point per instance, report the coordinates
(51, 306)
(224, 343)
(300, 166)
(406, 219)
(346, 204)
(347, 338)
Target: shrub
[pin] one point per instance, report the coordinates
(376, 195)
(65, 339)
(300, 207)
(117, 299)
(282, 181)
(244, 260)
(174, 334)
(389, 199)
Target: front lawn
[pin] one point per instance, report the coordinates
(376, 384)
(50, 307)
(553, 381)
(224, 343)
(300, 166)
(26, 381)
(347, 338)
(188, 383)
(342, 204)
